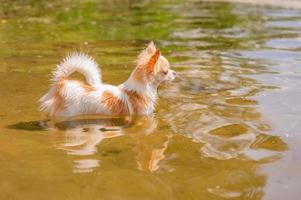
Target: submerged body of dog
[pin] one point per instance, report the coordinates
(136, 96)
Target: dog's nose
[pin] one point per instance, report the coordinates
(174, 73)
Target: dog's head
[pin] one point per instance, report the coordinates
(153, 67)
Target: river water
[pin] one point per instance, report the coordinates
(227, 127)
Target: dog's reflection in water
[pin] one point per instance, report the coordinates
(82, 137)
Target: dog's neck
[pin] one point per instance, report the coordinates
(144, 89)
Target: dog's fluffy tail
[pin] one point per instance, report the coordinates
(79, 62)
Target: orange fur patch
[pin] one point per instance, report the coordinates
(138, 102)
(88, 88)
(153, 60)
(115, 105)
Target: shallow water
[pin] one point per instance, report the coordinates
(226, 128)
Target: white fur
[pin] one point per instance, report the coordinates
(79, 62)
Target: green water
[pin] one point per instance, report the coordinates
(227, 127)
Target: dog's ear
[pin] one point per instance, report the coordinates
(153, 60)
(151, 48)
(146, 55)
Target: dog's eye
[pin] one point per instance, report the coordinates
(165, 72)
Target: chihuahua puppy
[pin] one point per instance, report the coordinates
(136, 96)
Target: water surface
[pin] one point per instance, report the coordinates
(226, 128)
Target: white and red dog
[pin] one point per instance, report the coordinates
(136, 96)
